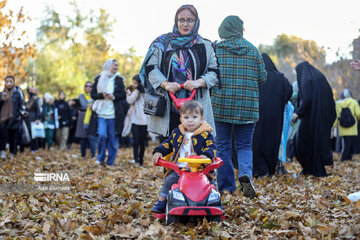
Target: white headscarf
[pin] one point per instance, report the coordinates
(48, 97)
(347, 93)
(105, 75)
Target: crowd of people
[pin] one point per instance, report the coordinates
(244, 110)
(94, 119)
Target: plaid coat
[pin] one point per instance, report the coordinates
(242, 70)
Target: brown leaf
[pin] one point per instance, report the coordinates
(96, 230)
(46, 227)
(347, 200)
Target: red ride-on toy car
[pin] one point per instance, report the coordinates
(193, 196)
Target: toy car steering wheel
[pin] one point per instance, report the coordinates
(179, 102)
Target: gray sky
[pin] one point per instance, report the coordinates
(332, 24)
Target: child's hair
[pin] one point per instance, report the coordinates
(192, 106)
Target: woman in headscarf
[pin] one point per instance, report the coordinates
(83, 120)
(49, 119)
(348, 131)
(137, 119)
(33, 107)
(317, 113)
(180, 57)
(273, 96)
(108, 91)
(64, 117)
(11, 105)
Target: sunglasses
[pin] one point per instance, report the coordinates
(88, 85)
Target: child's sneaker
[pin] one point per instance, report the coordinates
(159, 207)
(246, 186)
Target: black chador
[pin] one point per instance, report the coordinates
(273, 96)
(317, 113)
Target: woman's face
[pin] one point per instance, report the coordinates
(185, 22)
(88, 87)
(134, 84)
(114, 67)
(9, 82)
(61, 96)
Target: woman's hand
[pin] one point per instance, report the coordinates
(355, 65)
(4, 96)
(156, 157)
(172, 87)
(294, 117)
(191, 85)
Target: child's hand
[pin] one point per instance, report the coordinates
(156, 157)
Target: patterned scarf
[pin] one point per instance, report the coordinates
(181, 69)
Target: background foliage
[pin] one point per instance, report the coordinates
(72, 50)
(15, 51)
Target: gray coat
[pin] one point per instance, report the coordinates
(160, 125)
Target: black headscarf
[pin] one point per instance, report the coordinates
(317, 113)
(273, 96)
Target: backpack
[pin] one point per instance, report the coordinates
(346, 118)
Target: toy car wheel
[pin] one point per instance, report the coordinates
(214, 218)
(170, 218)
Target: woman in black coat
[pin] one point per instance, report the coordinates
(108, 91)
(317, 113)
(64, 116)
(273, 96)
(33, 108)
(11, 105)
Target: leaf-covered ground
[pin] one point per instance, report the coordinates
(115, 203)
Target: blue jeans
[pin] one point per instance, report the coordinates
(90, 142)
(107, 139)
(243, 144)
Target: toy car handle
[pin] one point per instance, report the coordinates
(216, 164)
(181, 101)
(161, 162)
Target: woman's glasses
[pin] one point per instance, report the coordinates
(183, 20)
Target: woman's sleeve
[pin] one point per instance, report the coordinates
(119, 93)
(131, 99)
(156, 77)
(38, 109)
(83, 102)
(262, 74)
(212, 74)
(94, 94)
(305, 99)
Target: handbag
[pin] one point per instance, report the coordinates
(25, 135)
(155, 104)
(37, 130)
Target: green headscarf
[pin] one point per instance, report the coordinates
(230, 27)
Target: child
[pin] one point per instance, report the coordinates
(192, 137)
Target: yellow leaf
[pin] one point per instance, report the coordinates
(357, 204)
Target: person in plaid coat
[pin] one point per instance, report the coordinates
(236, 103)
